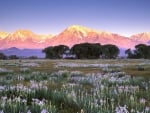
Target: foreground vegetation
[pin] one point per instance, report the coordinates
(74, 86)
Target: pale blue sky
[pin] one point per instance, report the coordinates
(125, 17)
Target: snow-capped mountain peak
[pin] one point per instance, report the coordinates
(72, 35)
(3, 35)
(20, 35)
(78, 28)
(142, 37)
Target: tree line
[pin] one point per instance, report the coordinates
(141, 51)
(12, 57)
(82, 51)
(89, 51)
(95, 51)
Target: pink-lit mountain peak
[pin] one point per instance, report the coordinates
(72, 35)
(22, 33)
(81, 31)
(29, 34)
(144, 34)
(3, 35)
(77, 30)
(78, 34)
(143, 37)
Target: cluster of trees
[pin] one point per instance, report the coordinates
(83, 51)
(141, 51)
(93, 51)
(4, 57)
(55, 52)
(89, 51)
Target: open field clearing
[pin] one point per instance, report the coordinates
(75, 86)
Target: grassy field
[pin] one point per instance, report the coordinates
(130, 66)
(75, 86)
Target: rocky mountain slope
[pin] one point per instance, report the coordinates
(72, 35)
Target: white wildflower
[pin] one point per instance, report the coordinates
(44, 111)
(142, 101)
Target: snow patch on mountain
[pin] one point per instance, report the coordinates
(70, 36)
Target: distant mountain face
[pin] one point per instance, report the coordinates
(72, 35)
(78, 34)
(142, 38)
(3, 35)
(23, 52)
(23, 39)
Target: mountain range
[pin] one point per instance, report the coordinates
(75, 34)
(23, 53)
(72, 35)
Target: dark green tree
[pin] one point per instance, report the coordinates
(87, 50)
(3, 56)
(142, 51)
(129, 53)
(32, 57)
(59, 50)
(110, 51)
(49, 53)
(13, 57)
(55, 52)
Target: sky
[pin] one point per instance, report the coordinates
(125, 17)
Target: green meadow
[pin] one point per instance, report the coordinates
(75, 86)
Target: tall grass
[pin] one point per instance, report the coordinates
(112, 91)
